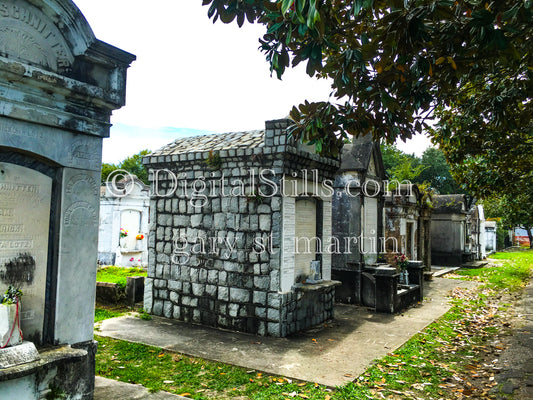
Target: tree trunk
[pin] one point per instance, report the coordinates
(530, 235)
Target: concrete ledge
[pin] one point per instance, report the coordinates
(17, 355)
(113, 293)
(110, 293)
(49, 358)
(311, 287)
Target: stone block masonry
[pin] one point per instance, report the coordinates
(216, 241)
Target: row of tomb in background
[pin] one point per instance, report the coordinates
(275, 291)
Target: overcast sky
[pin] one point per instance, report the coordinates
(192, 76)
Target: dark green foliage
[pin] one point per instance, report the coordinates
(400, 165)
(213, 160)
(131, 164)
(393, 62)
(437, 172)
(12, 295)
(106, 170)
(396, 64)
(514, 210)
(501, 236)
(55, 393)
(431, 169)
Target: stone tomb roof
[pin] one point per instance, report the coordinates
(219, 141)
(357, 156)
(405, 193)
(119, 189)
(450, 203)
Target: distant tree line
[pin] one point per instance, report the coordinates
(132, 164)
(431, 170)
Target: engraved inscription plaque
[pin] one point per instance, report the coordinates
(25, 197)
(28, 35)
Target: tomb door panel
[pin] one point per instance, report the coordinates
(305, 237)
(130, 220)
(25, 201)
(409, 241)
(370, 230)
(427, 243)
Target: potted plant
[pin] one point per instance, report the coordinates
(123, 236)
(10, 333)
(401, 262)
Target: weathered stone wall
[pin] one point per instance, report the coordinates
(400, 210)
(447, 239)
(215, 249)
(58, 88)
(357, 216)
(424, 238)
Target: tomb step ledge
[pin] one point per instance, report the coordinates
(50, 356)
(320, 285)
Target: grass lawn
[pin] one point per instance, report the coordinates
(118, 274)
(513, 275)
(448, 360)
(104, 312)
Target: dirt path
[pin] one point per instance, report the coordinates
(516, 360)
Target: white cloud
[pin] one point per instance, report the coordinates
(416, 145)
(126, 140)
(191, 73)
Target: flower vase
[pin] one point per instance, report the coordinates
(10, 334)
(138, 245)
(122, 242)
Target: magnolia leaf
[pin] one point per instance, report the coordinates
(285, 5)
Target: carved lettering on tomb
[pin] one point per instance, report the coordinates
(28, 35)
(25, 199)
(80, 183)
(80, 213)
(82, 151)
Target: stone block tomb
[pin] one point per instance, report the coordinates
(238, 220)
